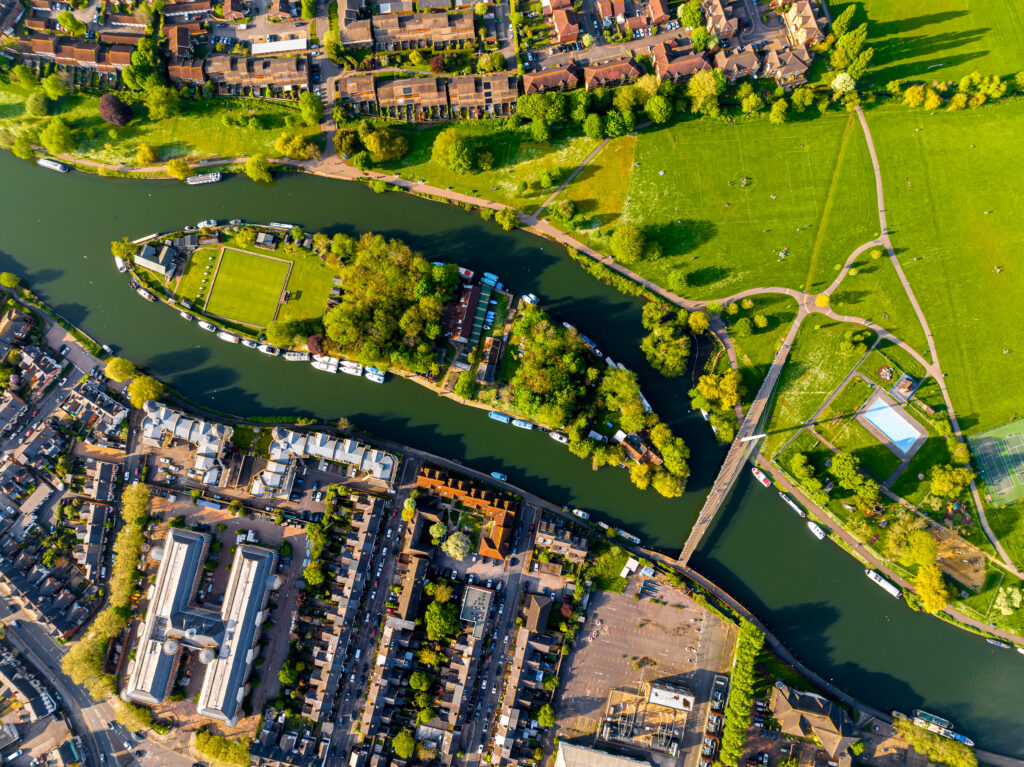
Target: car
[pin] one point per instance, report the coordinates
(490, 583)
(16, 624)
(498, 587)
(480, 748)
(15, 755)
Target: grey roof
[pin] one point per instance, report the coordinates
(579, 756)
(161, 262)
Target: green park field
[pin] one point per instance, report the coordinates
(247, 287)
(940, 39)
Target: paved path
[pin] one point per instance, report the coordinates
(572, 177)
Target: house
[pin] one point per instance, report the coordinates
(497, 535)
(536, 609)
(184, 11)
(356, 34)
(418, 99)
(281, 10)
(560, 79)
(475, 96)
(89, 404)
(802, 25)
(231, 73)
(266, 241)
(565, 541)
(619, 72)
(11, 12)
(634, 23)
(163, 261)
(788, 67)
(399, 32)
(127, 21)
(360, 93)
(550, 6)
(611, 9)
(808, 715)
(11, 407)
(479, 499)
(742, 63)
(721, 23)
(233, 10)
(78, 53)
(396, 6)
(208, 439)
(566, 28)
(186, 71)
(672, 63)
(349, 11)
(179, 41)
(435, 5)
(490, 360)
(15, 325)
(120, 38)
(657, 11)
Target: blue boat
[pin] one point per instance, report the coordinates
(522, 424)
(499, 417)
(499, 476)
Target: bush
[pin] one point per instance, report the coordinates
(231, 751)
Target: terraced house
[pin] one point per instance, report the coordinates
(476, 96)
(234, 74)
(399, 32)
(419, 98)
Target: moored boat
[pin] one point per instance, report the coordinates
(279, 225)
(186, 316)
(273, 351)
(297, 356)
(997, 643)
(760, 477)
(374, 375)
(207, 223)
(521, 423)
(250, 343)
(499, 476)
(581, 513)
(494, 415)
(890, 589)
(939, 726)
(557, 436)
(352, 368)
(792, 504)
(145, 294)
(207, 326)
(327, 367)
(204, 178)
(628, 536)
(120, 264)
(46, 162)
(231, 338)
(816, 530)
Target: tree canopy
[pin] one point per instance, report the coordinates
(119, 369)
(142, 389)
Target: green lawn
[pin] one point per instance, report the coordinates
(938, 190)
(755, 352)
(838, 425)
(720, 236)
(310, 283)
(1008, 527)
(190, 285)
(247, 287)
(599, 191)
(940, 39)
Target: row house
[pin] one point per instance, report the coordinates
(280, 744)
(38, 25)
(186, 71)
(567, 27)
(657, 12)
(485, 501)
(188, 11)
(743, 62)
(419, 98)
(350, 10)
(281, 10)
(611, 10)
(491, 95)
(559, 79)
(787, 66)
(11, 408)
(360, 93)
(179, 42)
(126, 21)
(101, 478)
(36, 371)
(11, 12)
(550, 6)
(396, 6)
(720, 19)
(243, 72)
(802, 24)
(564, 540)
(233, 10)
(393, 32)
(618, 72)
(77, 53)
(125, 37)
(89, 551)
(674, 62)
(356, 34)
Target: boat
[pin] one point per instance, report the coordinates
(273, 351)
(939, 726)
(603, 525)
(997, 643)
(235, 222)
(352, 368)
(186, 316)
(207, 326)
(792, 504)
(818, 532)
(327, 367)
(879, 580)
(521, 423)
(204, 178)
(297, 356)
(581, 514)
(644, 402)
(760, 477)
(628, 536)
(499, 476)
(530, 298)
(327, 358)
(494, 415)
(557, 436)
(250, 343)
(207, 223)
(108, 349)
(279, 225)
(611, 363)
(567, 326)
(231, 338)
(145, 294)
(374, 375)
(1020, 650)
(120, 264)
(46, 162)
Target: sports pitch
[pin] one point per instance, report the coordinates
(1000, 453)
(247, 287)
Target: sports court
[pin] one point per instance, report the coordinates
(1000, 453)
(247, 287)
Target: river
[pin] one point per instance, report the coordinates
(55, 232)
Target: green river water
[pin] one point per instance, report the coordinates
(55, 231)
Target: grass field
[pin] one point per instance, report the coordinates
(755, 353)
(838, 424)
(951, 248)
(721, 234)
(197, 132)
(599, 203)
(940, 39)
(247, 287)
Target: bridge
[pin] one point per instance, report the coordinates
(736, 459)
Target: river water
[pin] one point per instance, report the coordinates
(55, 232)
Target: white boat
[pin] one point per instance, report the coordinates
(567, 326)
(273, 351)
(521, 423)
(207, 223)
(557, 436)
(352, 371)
(603, 525)
(186, 316)
(120, 264)
(145, 294)
(231, 338)
(297, 356)
(628, 536)
(327, 358)
(374, 375)
(792, 504)
(818, 532)
(760, 477)
(611, 363)
(250, 343)
(279, 225)
(45, 162)
(235, 221)
(530, 298)
(204, 178)
(645, 403)
(207, 326)
(327, 367)
(581, 514)
(879, 580)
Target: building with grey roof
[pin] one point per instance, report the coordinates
(569, 755)
(208, 438)
(162, 261)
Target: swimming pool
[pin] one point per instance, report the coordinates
(901, 432)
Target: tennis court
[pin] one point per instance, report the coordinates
(1000, 454)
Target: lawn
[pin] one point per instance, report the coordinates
(190, 285)
(247, 287)
(725, 200)
(814, 369)
(197, 132)
(604, 565)
(940, 39)
(838, 425)
(938, 189)
(309, 285)
(754, 353)
(599, 191)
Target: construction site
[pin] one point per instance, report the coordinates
(650, 717)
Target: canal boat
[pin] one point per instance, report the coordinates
(816, 530)
(499, 476)
(273, 351)
(889, 588)
(186, 316)
(297, 356)
(46, 162)
(351, 368)
(145, 294)
(581, 514)
(120, 264)
(557, 436)
(207, 326)
(939, 726)
(997, 643)
(279, 225)
(250, 343)
(494, 415)
(204, 178)
(207, 223)
(792, 504)
(372, 374)
(231, 338)
(628, 536)
(760, 477)
(644, 402)
(611, 363)
(519, 422)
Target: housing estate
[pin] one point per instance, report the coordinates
(809, 715)
(208, 439)
(401, 32)
(231, 74)
(418, 98)
(76, 53)
(618, 72)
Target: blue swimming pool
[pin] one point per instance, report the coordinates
(897, 429)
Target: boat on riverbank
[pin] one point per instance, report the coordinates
(145, 294)
(325, 366)
(494, 415)
(120, 264)
(558, 437)
(279, 225)
(231, 338)
(249, 343)
(627, 536)
(890, 589)
(208, 223)
(792, 504)
(297, 356)
(186, 316)
(352, 368)
(273, 351)
(938, 725)
(207, 326)
(522, 424)
(46, 162)
(372, 374)
(997, 643)
(204, 178)
(816, 530)
(581, 514)
(499, 476)
(760, 477)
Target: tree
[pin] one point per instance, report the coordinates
(23, 76)
(179, 168)
(457, 546)
(420, 680)
(56, 137)
(593, 127)
(35, 104)
(540, 131)
(142, 389)
(162, 102)
(386, 145)
(71, 25)
(22, 147)
(659, 109)
(843, 83)
(931, 588)
(551, 682)
(703, 90)
(288, 676)
(296, 146)
(699, 323)
(403, 744)
(119, 369)
(442, 621)
(443, 593)
(629, 241)
(507, 219)
(146, 155)
(409, 509)
(311, 108)
(114, 111)
(802, 98)
(921, 549)
(752, 104)
(690, 14)
(437, 64)
(949, 481)
(702, 39)
(546, 716)
(257, 168)
(9, 280)
(587, 40)
(777, 115)
(461, 155)
(53, 86)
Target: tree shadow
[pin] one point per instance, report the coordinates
(707, 275)
(683, 237)
(850, 296)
